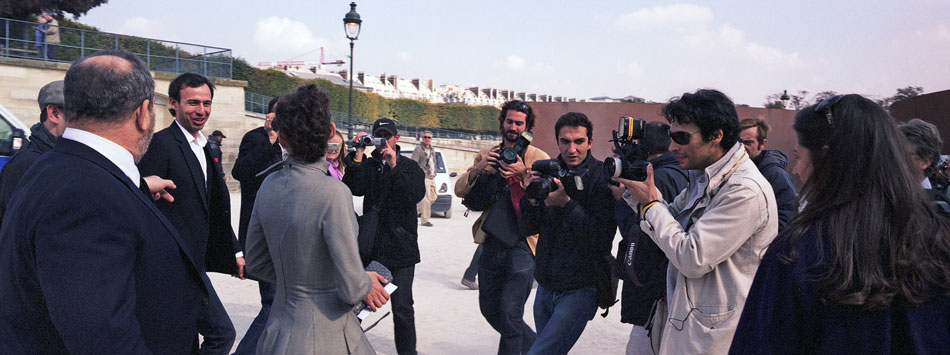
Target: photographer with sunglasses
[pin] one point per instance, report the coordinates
(714, 232)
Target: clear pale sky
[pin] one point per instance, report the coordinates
(650, 49)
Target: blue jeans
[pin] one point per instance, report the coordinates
(561, 317)
(248, 344)
(505, 275)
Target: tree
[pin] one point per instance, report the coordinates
(902, 93)
(821, 96)
(23, 9)
(796, 101)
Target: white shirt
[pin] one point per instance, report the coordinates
(198, 147)
(116, 154)
(926, 184)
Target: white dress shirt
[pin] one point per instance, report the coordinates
(198, 147)
(116, 154)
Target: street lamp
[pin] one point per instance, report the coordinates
(784, 98)
(352, 24)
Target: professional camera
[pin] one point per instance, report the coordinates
(550, 169)
(631, 163)
(510, 155)
(368, 141)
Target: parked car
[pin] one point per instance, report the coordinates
(444, 187)
(13, 134)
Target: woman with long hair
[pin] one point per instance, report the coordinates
(335, 156)
(302, 236)
(865, 265)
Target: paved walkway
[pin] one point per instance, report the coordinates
(447, 316)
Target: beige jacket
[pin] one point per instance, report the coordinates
(465, 182)
(731, 217)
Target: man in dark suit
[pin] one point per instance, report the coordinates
(88, 264)
(259, 150)
(201, 207)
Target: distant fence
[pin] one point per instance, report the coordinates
(255, 102)
(23, 39)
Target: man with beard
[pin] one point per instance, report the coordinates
(201, 207)
(90, 266)
(505, 271)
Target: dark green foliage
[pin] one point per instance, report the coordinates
(23, 9)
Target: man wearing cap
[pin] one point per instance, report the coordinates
(42, 138)
(214, 149)
(396, 184)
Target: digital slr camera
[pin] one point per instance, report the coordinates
(541, 187)
(510, 155)
(368, 141)
(631, 163)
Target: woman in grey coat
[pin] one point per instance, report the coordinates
(302, 237)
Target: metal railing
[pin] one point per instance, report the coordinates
(24, 39)
(255, 102)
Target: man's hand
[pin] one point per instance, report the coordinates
(643, 191)
(359, 149)
(388, 155)
(240, 265)
(617, 191)
(559, 197)
(489, 160)
(516, 170)
(158, 187)
(272, 136)
(377, 296)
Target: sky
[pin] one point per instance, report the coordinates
(650, 49)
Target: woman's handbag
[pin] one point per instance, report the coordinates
(366, 239)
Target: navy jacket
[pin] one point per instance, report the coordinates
(88, 265)
(201, 214)
(575, 238)
(255, 154)
(784, 315)
(771, 164)
(398, 190)
(649, 261)
(41, 141)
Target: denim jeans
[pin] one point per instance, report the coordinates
(215, 325)
(561, 317)
(505, 275)
(404, 316)
(248, 344)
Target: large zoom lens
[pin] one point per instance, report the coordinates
(540, 188)
(617, 167)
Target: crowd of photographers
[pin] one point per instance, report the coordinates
(719, 253)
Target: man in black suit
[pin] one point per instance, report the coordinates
(88, 264)
(201, 207)
(259, 150)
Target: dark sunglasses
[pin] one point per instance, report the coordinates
(426, 137)
(519, 105)
(824, 108)
(383, 135)
(682, 137)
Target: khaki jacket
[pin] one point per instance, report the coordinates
(465, 182)
(731, 217)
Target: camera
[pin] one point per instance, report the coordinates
(510, 155)
(367, 141)
(550, 169)
(631, 163)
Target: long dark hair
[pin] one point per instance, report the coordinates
(884, 240)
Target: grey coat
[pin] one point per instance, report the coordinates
(302, 237)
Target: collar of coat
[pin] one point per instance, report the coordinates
(720, 171)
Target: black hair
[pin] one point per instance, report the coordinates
(303, 120)
(106, 93)
(926, 140)
(574, 119)
(272, 105)
(656, 138)
(877, 232)
(189, 80)
(520, 106)
(708, 109)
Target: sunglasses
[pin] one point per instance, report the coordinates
(823, 108)
(519, 105)
(426, 137)
(682, 137)
(383, 135)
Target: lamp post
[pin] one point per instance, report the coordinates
(784, 98)
(352, 24)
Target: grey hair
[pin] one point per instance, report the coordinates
(926, 140)
(103, 93)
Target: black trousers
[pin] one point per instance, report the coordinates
(404, 316)
(215, 325)
(505, 275)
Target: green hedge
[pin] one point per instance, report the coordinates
(481, 119)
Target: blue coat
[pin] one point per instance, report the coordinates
(88, 265)
(771, 164)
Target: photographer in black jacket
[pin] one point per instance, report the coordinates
(576, 224)
(396, 184)
(641, 263)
